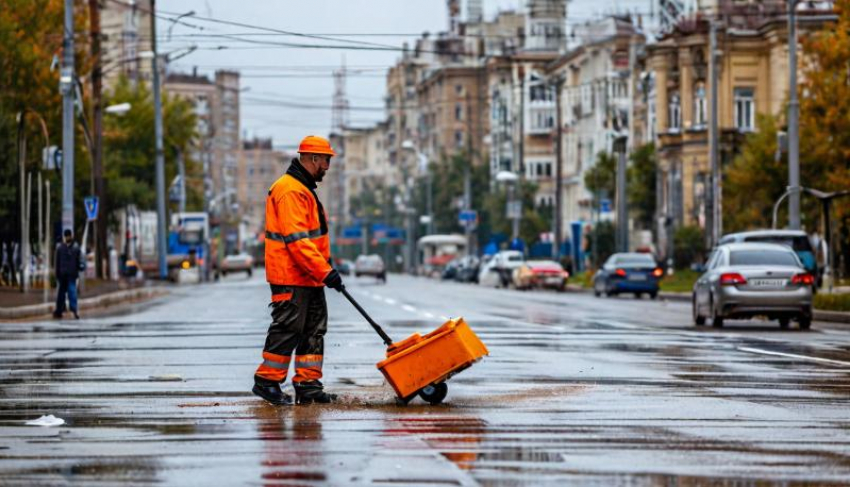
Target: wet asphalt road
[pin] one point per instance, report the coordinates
(577, 390)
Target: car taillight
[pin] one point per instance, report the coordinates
(803, 279)
(620, 272)
(732, 279)
(658, 272)
(566, 274)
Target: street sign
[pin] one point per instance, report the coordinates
(468, 218)
(91, 204)
(605, 206)
(51, 157)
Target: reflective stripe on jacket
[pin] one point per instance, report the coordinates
(297, 242)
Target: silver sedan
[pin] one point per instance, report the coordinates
(743, 280)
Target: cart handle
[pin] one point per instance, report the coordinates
(387, 340)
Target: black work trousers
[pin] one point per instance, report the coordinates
(298, 327)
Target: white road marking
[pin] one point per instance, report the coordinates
(427, 314)
(377, 297)
(408, 307)
(389, 300)
(793, 355)
(445, 318)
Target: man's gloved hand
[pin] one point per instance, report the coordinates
(334, 281)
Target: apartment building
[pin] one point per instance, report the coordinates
(752, 79)
(258, 166)
(597, 105)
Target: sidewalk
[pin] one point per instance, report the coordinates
(96, 294)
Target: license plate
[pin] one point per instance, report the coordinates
(767, 282)
(553, 280)
(637, 277)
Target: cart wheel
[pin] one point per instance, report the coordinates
(434, 394)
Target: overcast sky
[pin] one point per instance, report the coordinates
(275, 75)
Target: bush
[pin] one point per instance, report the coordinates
(604, 232)
(688, 246)
(832, 302)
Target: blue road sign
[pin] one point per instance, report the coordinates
(91, 204)
(605, 206)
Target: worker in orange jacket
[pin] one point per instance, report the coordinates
(297, 269)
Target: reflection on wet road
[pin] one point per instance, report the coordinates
(577, 390)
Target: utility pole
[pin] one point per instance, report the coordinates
(97, 146)
(714, 156)
(622, 204)
(181, 169)
(161, 248)
(66, 86)
(556, 241)
(793, 121)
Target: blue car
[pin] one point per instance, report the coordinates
(628, 272)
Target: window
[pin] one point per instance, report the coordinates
(459, 89)
(459, 139)
(764, 257)
(548, 169)
(674, 123)
(541, 92)
(459, 112)
(744, 109)
(699, 106)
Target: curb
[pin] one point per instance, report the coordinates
(832, 316)
(102, 301)
(820, 315)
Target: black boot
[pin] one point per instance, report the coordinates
(272, 394)
(312, 392)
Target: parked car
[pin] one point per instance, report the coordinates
(628, 272)
(468, 268)
(237, 263)
(498, 271)
(796, 239)
(370, 265)
(450, 271)
(743, 280)
(541, 274)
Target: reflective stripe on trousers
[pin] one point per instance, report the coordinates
(307, 368)
(274, 367)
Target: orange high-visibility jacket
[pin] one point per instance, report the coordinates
(298, 246)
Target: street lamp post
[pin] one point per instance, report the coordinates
(423, 166)
(793, 121)
(514, 210)
(161, 247)
(66, 86)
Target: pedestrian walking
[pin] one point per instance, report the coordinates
(69, 263)
(297, 268)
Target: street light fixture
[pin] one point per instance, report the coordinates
(119, 109)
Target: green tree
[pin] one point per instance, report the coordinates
(129, 149)
(642, 172)
(754, 180)
(30, 35)
(602, 177)
(688, 246)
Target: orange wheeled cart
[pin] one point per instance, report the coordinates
(422, 364)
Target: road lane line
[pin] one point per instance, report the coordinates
(389, 300)
(408, 307)
(793, 355)
(427, 314)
